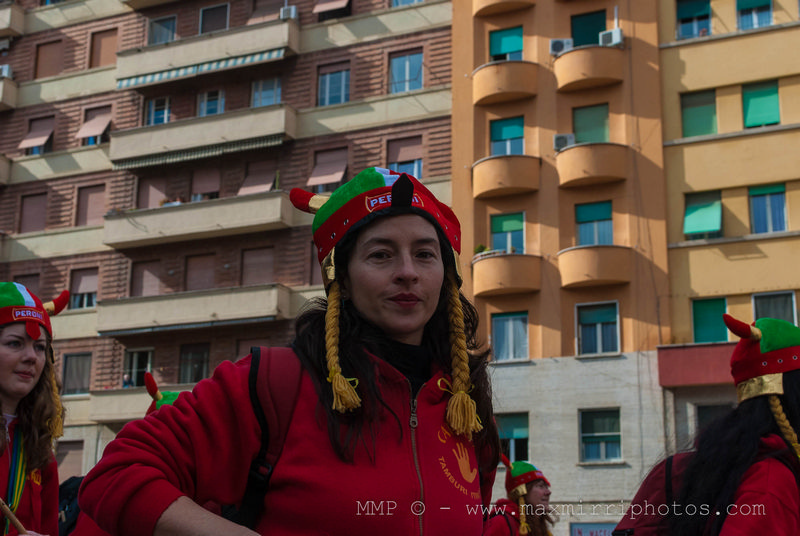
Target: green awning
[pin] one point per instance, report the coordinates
(506, 223)
(752, 4)
(703, 214)
(689, 9)
(507, 129)
(600, 422)
(760, 104)
(512, 425)
(768, 189)
(591, 124)
(593, 212)
(505, 41)
(597, 314)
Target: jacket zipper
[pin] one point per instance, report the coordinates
(413, 422)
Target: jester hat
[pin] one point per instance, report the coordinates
(520, 473)
(373, 193)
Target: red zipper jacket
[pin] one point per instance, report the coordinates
(419, 478)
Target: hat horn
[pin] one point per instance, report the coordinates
(57, 304)
(741, 329)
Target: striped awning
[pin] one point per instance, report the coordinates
(199, 152)
(201, 68)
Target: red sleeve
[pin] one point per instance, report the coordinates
(498, 525)
(50, 498)
(178, 450)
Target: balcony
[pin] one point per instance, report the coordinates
(8, 94)
(504, 81)
(204, 219)
(496, 272)
(62, 242)
(201, 54)
(118, 405)
(199, 309)
(482, 8)
(84, 159)
(142, 4)
(200, 137)
(496, 176)
(592, 163)
(12, 20)
(595, 266)
(589, 67)
(75, 324)
(5, 170)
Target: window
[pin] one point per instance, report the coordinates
(211, 103)
(152, 192)
(39, 139)
(334, 84)
(331, 9)
(507, 136)
(258, 266)
(243, 345)
(29, 281)
(699, 113)
(768, 208)
(51, 2)
(590, 124)
(260, 177)
(775, 305)
(193, 365)
(329, 169)
(405, 72)
(405, 156)
(397, 3)
(205, 184)
(145, 278)
(703, 217)
(600, 436)
(513, 429)
(508, 232)
(104, 48)
(214, 18)
(266, 92)
(49, 59)
(707, 324)
(199, 272)
(77, 371)
(162, 30)
(94, 130)
(760, 105)
(510, 336)
(137, 362)
(593, 221)
(754, 13)
(156, 111)
(83, 289)
(505, 45)
(693, 18)
(91, 205)
(597, 329)
(33, 215)
(586, 28)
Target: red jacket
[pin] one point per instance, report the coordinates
(423, 480)
(38, 508)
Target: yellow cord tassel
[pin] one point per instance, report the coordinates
(55, 425)
(345, 397)
(523, 520)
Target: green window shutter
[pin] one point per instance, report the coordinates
(600, 422)
(703, 213)
(751, 4)
(512, 425)
(506, 129)
(597, 314)
(505, 41)
(760, 104)
(699, 113)
(590, 124)
(586, 28)
(593, 212)
(507, 223)
(689, 9)
(707, 320)
(768, 189)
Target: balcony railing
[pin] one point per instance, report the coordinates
(592, 163)
(5, 170)
(497, 272)
(504, 81)
(204, 219)
(482, 8)
(496, 176)
(142, 4)
(588, 67)
(594, 266)
(12, 20)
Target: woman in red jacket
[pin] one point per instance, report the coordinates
(392, 432)
(527, 508)
(31, 410)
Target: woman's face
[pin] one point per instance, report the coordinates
(21, 363)
(395, 274)
(539, 494)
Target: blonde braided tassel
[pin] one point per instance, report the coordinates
(523, 519)
(55, 425)
(783, 423)
(345, 397)
(461, 410)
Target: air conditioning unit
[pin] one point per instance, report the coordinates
(611, 38)
(5, 71)
(559, 46)
(562, 141)
(288, 12)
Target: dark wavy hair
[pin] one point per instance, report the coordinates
(358, 336)
(725, 450)
(35, 412)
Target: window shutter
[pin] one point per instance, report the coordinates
(34, 213)
(199, 272)
(144, 278)
(104, 48)
(96, 121)
(91, 205)
(205, 181)
(404, 150)
(699, 113)
(504, 129)
(751, 4)
(29, 281)
(329, 168)
(152, 191)
(703, 213)
(260, 177)
(586, 28)
(507, 223)
(512, 425)
(213, 19)
(323, 6)
(334, 67)
(591, 124)
(760, 104)
(39, 131)
(690, 9)
(49, 59)
(258, 266)
(505, 41)
(707, 320)
(593, 212)
(597, 314)
(768, 189)
(83, 281)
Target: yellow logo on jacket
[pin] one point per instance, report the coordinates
(464, 469)
(35, 476)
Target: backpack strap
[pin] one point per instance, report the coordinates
(274, 384)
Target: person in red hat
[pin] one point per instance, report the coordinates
(743, 477)
(31, 414)
(527, 508)
(392, 430)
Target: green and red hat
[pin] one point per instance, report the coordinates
(18, 304)
(520, 473)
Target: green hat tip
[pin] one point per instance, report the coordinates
(777, 334)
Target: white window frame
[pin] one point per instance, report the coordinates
(400, 3)
(695, 21)
(520, 314)
(415, 164)
(150, 29)
(603, 454)
(769, 214)
(259, 86)
(85, 300)
(776, 293)
(127, 361)
(405, 83)
(227, 17)
(150, 109)
(203, 100)
(345, 88)
(66, 359)
(753, 14)
(599, 329)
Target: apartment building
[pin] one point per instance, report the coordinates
(146, 153)
(558, 160)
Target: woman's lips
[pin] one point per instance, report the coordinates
(405, 300)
